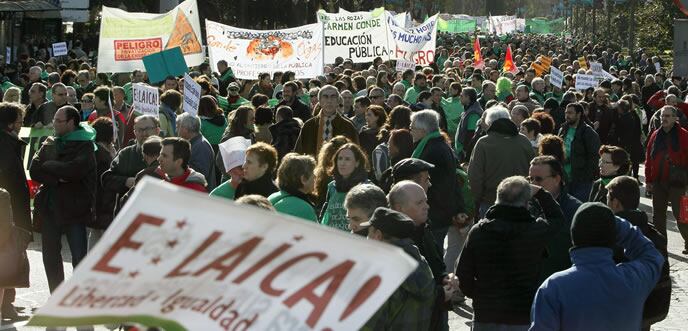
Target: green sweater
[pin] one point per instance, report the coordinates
(225, 190)
(452, 110)
(288, 204)
(211, 131)
(412, 94)
(334, 214)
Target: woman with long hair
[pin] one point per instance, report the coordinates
(213, 122)
(241, 123)
(349, 168)
(322, 177)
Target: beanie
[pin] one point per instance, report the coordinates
(593, 225)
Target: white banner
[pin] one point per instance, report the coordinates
(416, 44)
(146, 99)
(403, 65)
(556, 77)
(164, 262)
(251, 52)
(360, 36)
(583, 82)
(60, 49)
(192, 95)
(125, 38)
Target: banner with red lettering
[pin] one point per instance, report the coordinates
(125, 38)
(181, 260)
(415, 44)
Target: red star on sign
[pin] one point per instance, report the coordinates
(172, 243)
(181, 224)
(133, 274)
(155, 260)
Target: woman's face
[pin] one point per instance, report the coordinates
(371, 119)
(607, 167)
(346, 163)
(252, 167)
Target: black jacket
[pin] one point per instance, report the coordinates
(584, 152)
(105, 199)
(262, 186)
(499, 265)
(627, 134)
(657, 303)
(298, 108)
(284, 135)
(68, 177)
(13, 178)
(444, 196)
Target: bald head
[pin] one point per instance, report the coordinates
(409, 198)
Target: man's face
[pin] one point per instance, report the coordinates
(100, 103)
(60, 95)
(399, 90)
(288, 94)
(421, 83)
(377, 97)
(170, 84)
(356, 216)
(541, 175)
(34, 75)
(167, 162)
(600, 98)
(436, 97)
(60, 123)
(423, 179)
(465, 100)
(494, 75)
(221, 67)
(571, 116)
(83, 80)
(347, 99)
(522, 94)
(144, 129)
(668, 119)
(417, 133)
(118, 96)
(137, 78)
(416, 205)
(329, 101)
(529, 77)
(489, 91)
(35, 95)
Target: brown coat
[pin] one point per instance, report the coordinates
(308, 141)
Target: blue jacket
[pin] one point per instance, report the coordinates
(596, 294)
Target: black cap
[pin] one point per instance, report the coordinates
(391, 223)
(593, 225)
(409, 167)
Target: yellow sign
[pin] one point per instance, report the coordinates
(582, 62)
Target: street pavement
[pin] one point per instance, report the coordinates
(38, 293)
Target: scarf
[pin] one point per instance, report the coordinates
(660, 143)
(421, 144)
(83, 132)
(345, 184)
(261, 186)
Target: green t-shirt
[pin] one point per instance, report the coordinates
(452, 110)
(291, 205)
(472, 125)
(335, 213)
(568, 141)
(225, 190)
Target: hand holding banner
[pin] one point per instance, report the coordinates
(224, 266)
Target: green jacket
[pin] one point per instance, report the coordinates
(412, 94)
(410, 306)
(212, 132)
(288, 204)
(452, 110)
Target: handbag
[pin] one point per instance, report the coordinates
(15, 263)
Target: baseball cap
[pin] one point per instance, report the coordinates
(391, 223)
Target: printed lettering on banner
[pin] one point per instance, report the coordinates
(583, 82)
(60, 49)
(125, 38)
(251, 52)
(187, 268)
(415, 44)
(596, 68)
(360, 36)
(556, 77)
(192, 95)
(403, 65)
(146, 99)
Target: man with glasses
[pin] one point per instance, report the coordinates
(66, 167)
(328, 124)
(377, 97)
(547, 172)
(36, 99)
(87, 105)
(129, 161)
(47, 110)
(34, 78)
(289, 98)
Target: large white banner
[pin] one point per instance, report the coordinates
(415, 44)
(360, 36)
(125, 38)
(251, 52)
(583, 82)
(181, 260)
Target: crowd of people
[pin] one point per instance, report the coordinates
(522, 196)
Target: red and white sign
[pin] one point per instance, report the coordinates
(179, 259)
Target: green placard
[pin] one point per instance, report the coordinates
(169, 62)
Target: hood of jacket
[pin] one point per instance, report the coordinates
(285, 127)
(504, 126)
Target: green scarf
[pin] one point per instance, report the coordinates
(421, 144)
(83, 133)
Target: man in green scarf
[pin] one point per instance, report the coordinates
(66, 166)
(419, 85)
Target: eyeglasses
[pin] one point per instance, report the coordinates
(537, 179)
(146, 129)
(86, 100)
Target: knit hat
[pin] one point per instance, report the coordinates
(594, 225)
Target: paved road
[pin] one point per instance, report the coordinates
(677, 320)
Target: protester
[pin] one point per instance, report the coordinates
(296, 182)
(289, 98)
(614, 162)
(507, 245)
(468, 123)
(213, 122)
(581, 144)
(596, 293)
(105, 199)
(68, 156)
(264, 119)
(285, 131)
(174, 165)
(202, 154)
(256, 177)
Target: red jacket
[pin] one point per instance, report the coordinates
(657, 170)
(656, 101)
(190, 179)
